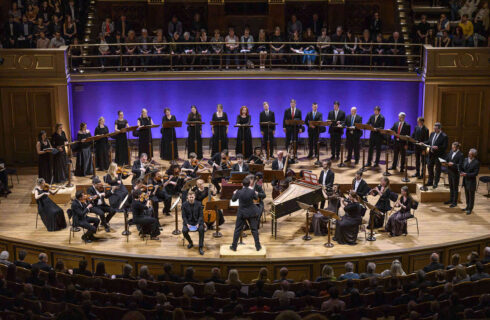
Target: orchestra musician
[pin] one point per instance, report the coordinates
(383, 204)
(319, 223)
(292, 133)
(397, 223)
(59, 140)
(400, 148)
(219, 161)
(279, 162)
(44, 150)
(377, 121)
(360, 186)
(194, 132)
(122, 156)
(268, 132)
(102, 148)
(244, 134)
(142, 215)
(454, 161)
(326, 179)
(347, 228)
(114, 178)
(84, 153)
(159, 194)
(336, 130)
(79, 208)
(220, 133)
(201, 192)
(140, 167)
(175, 182)
(168, 135)
(51, 214)
(191, 166)
(256, 185)
(353, 135)
(248, 212)
(469, 172)
(100, 207)
(193, 220)
(144, 141)
(257, 157)
(421, 134)
(438, 142)
(240, 165)
(313, 132)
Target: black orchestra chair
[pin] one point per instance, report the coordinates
(485, 179)
(415, 206)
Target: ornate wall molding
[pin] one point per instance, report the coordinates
(456, 62)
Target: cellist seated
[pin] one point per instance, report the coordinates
(204, 194)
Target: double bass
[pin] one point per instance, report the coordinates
(209, 216)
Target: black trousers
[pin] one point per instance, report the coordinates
(161, 196)
(434, 176)
(291, 135)
(101, 211)
(216, 183)
(148, 225)
(374, 143)
(335, 141)
(399, 150)
(453, 186)
(200, 231)
(240, 223)
(313, 137)
(90, 224)
(268, 136)
(4, 178)
(353, 144)
(418, 160)
(469, 191)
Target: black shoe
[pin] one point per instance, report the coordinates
(232, 248)
(402, 170)
(167, 213)
(368, 164)
(154, 238)
(468, 212)
(429, 183)
(107, 229)
(453, 205)
(448, 202)
(258, 248)
(392, 168)
(376, 165)
(416, 175)
(348, 160)
(434, 186)
(357, 162)
(310, 156)
(420, 177)
(464, 209)
(201, 251)
(190, 245)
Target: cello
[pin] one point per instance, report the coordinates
(209, 216)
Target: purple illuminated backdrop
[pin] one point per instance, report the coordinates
(93, 99)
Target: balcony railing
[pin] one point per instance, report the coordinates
(170, 56)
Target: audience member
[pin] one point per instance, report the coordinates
(126, 274)
(20, 262)
(189, 275)
(263, 276)
(327, 274)
(4, 258)
(82, 268)
(472, 258)
(42, 264)
(215, 276)
(434, 263)
(480, 272)
(467, 28)
(461, 275)
(284, 295)
(100, 270)
(34, 278)
(234, 279)
(333, 302)
(370, 271)
(57, 41)
(486, 258)
(283, 274)
(294, 25)
(168, 275)
(349, 272)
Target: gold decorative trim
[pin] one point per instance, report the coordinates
(153, 2)
(216, 2)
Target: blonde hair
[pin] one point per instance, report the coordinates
(233, 276)
(112, 169)
(396, 268)
(327, 271)
(100, 119)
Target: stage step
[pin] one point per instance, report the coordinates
(441, 194)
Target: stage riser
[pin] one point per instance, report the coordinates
(441, 194)
(299, 269)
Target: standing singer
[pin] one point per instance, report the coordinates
(313, 132)
(377, 121)
(336, 130)
(292, 132)
(268, 132)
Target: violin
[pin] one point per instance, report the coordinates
(225, 162)
(144, 197)
(48, 187)
(124, 172)
(147, 187)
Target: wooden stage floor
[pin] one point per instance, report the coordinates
(438, 224)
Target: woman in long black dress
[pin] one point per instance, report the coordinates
(168, 135)
(60, 168)
(115, 179)
(383, 204)
(319, 223)
(397, 223)
(194, 134)
(51, 214)
(122, 156)
(347, 227)
(219, 132)
(84, 154)
(43, 147)
(144, 135)
(102, 151)
(244, 133)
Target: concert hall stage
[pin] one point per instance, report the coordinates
(442, 229)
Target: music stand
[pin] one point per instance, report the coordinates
(317, 125)
(295, 123)
(256, 167)
(189, 184)
(271, 175)
(224, 173)
(364, 127)
(331, 215)
(307, 208)
(237, 177)
(242, 128)
(219, 124)
(204, 175)
(407, 139)
(268, 124)
(195, 124)
(217, 205)
(387, 157)
(172, 125)
(174, 206)
(371, 236)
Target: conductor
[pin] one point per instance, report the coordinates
(247, 212)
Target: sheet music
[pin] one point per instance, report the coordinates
(441, 160)
(235, 203)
